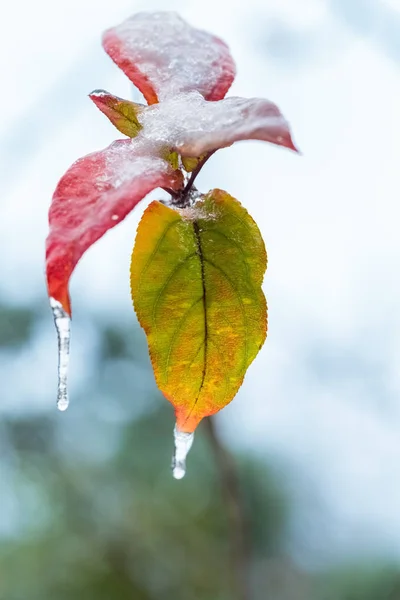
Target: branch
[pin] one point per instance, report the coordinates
(237, 521)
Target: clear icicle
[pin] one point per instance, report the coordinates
(183, 443)
(62, 322)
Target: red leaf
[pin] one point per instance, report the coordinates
(193, 126)
(163, 55)
(94, 195)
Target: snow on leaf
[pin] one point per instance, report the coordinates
(194, 126)
(122, 113)
(196, 286)
(163, 55)
(94, 195)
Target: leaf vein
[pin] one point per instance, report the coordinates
(156, 249)
(239, 297)
(238, 246)
(176, 332)
(174, 271)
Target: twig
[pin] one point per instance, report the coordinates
(181, 198)
(239, 548)
(172, 192)
(194, 174)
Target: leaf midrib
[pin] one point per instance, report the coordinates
(197, 238)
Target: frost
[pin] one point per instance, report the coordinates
(128, 160)
(196, 212)
(162, 53)
(193, 126)
(95, 189)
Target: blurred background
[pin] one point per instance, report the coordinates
(297, 491)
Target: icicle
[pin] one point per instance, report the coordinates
(183, 443)
(62, 323)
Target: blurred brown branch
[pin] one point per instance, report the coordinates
(237, 521)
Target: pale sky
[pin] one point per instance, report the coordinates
(323, 397)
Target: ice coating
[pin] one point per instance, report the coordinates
(94, 195)
(193, 126)
(183, 442)
(163, 55)
(62, 323)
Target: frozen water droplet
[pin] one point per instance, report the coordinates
(99, 93)
(62, 322)
(183, 442)
(63, 402)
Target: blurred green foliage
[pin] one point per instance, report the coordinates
(15, 325)
(90, 510)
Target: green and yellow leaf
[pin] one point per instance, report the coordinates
(190, 162)
(196, 280)
(171, 157)
(122, 113)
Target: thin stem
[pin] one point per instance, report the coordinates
(195, 172)
(239, 547)
(173, 193)
(181, 197)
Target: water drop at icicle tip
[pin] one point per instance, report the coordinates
(62, 321)
(183, 442)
